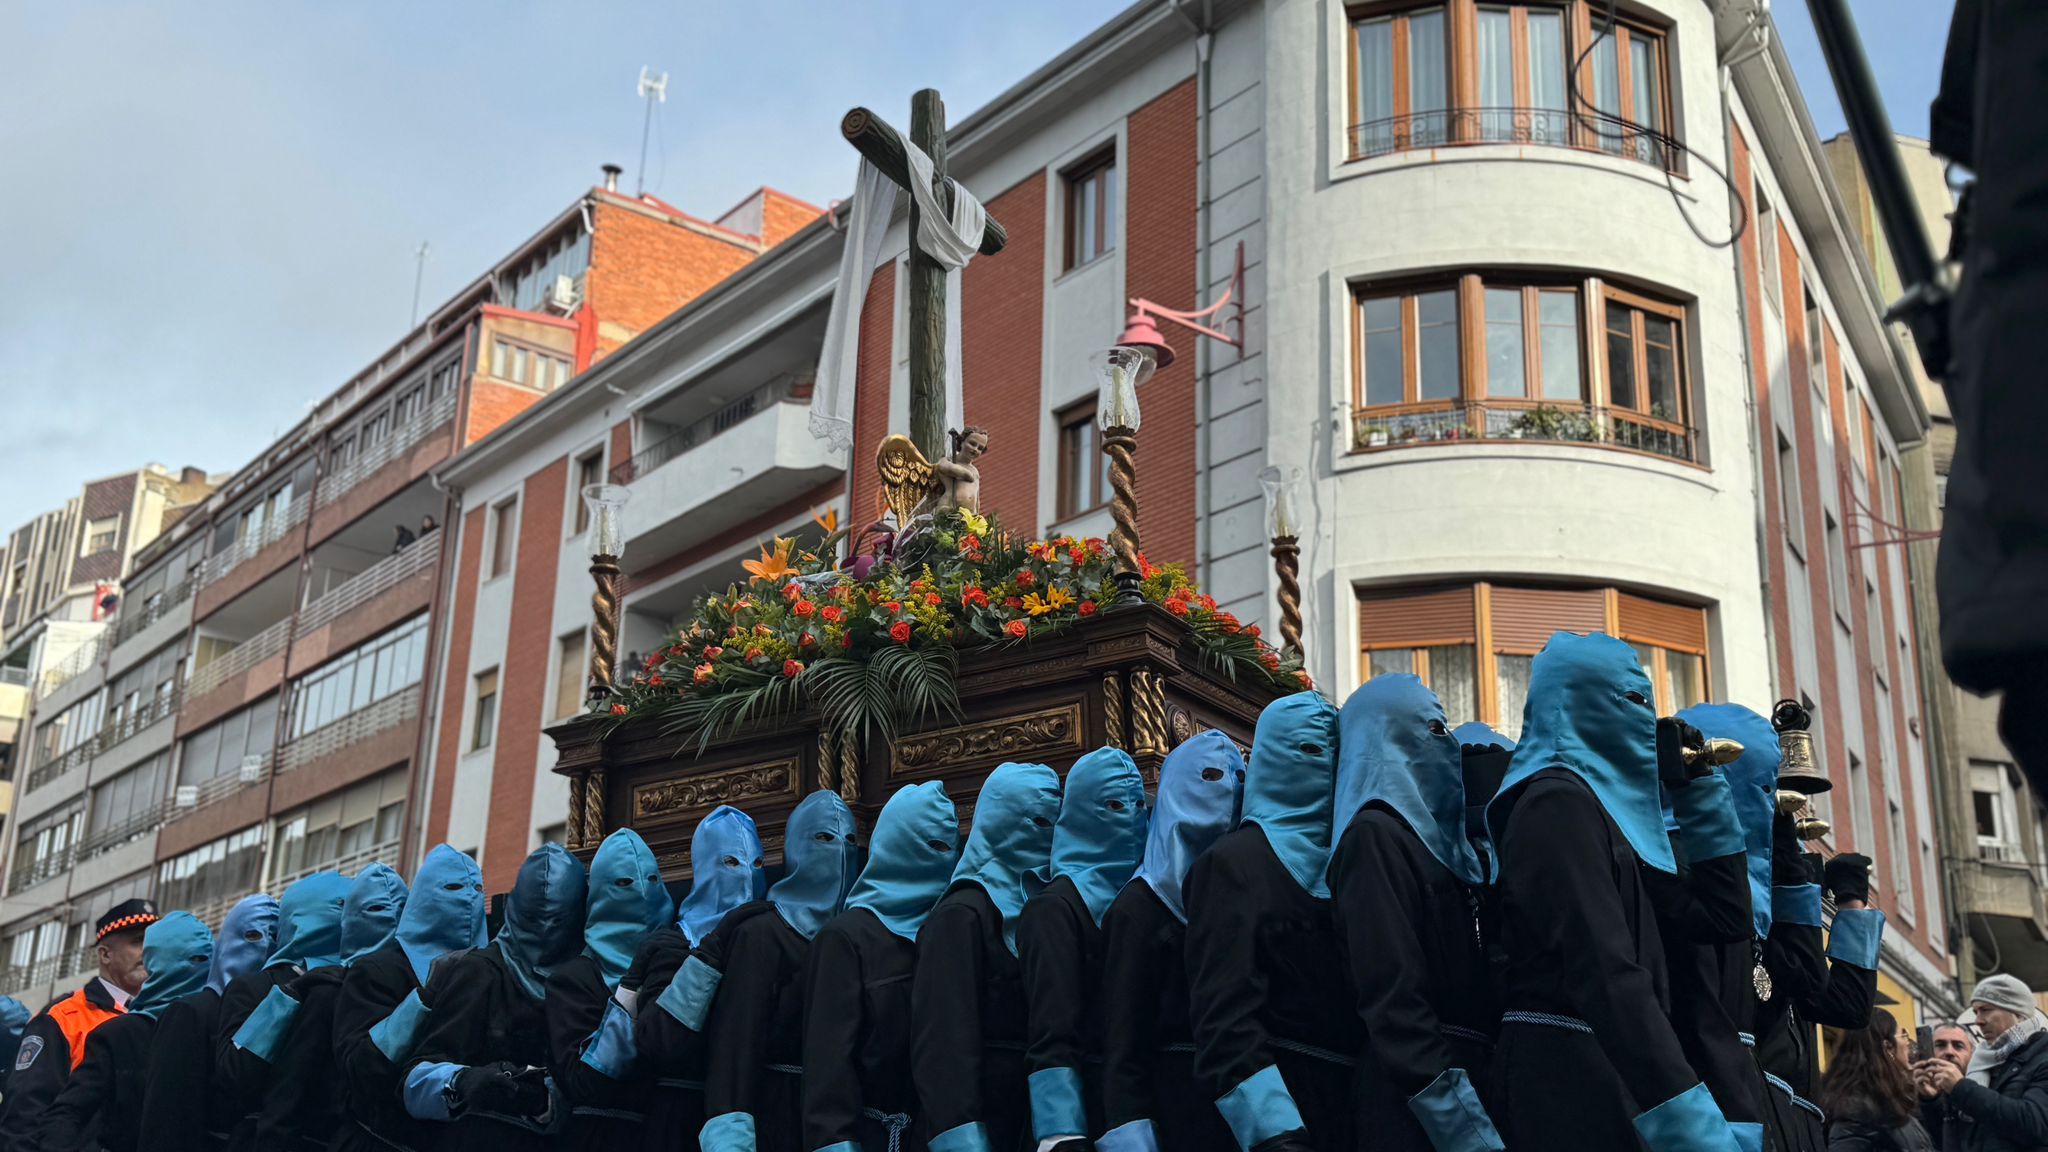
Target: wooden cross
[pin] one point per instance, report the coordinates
(883, 148)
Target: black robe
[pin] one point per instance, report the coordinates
(673, 1055)
(368, 1083)
(967, 1022)
(1583, 948)
(175, 1098)
(1703, 915)
(240, 1080)
(603, 1113)
(856, 1048)
(1059, 948)
(1807, 990)
(478, 1014)
(1414, 939)
(30, 1090)
(100, 1107)
(755, 1032)
(1148, 1050)
(1266, 983)
(301, 1109)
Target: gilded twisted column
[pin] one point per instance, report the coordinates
(593, 808)
(849, 771)
(573, 830)
(1121, 446)
(1148, 714)
(604, 625)
(825, 761)
(1112, 710)
(1287, 566)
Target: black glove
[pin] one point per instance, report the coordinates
(1075, 1145)
(503, 1087)
(1788, 855)
(1848, 877)
(1294, 1141)
(1674, 736)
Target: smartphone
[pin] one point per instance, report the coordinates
(1923, 1043)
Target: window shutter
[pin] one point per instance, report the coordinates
(1662, 624)
(1524, 618)
(1416, 617)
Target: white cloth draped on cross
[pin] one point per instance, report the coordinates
(950, 239)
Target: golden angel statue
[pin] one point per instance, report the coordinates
(921, 489)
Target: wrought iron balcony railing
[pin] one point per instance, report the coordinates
(790, 388)
(99, 841)
(134, 618)
(400, 439)
(62, 765)
(121, 726)
(1550, 127)
(1505, 420)
(55, 864)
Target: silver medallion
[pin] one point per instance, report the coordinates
(1760, 979)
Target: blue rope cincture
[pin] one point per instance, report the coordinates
(1547, 1020)
(1796, 1098)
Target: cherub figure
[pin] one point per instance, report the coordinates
(956, 479)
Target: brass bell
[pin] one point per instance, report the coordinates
(1797, 769)
(1717, 750)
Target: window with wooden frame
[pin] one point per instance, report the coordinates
(1645, 346)
(1410, 346)
(1475, 644)
(1084, 470)
(589, 470)
(1532, 343)
(483, 727)
(1090, 208)
(1630, 82)
(504, 531)
(1401, 79)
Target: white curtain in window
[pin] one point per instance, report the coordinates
(1496, 58)
(1453, 674)
(1428, 83)
(1375, 88)
(1512, 687)
(1547, 77)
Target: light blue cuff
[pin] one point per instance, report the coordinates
(395, 1035)
(263, 1034)
(1796, 904)
(1854, 936)
(964, 1138)
(610, 1049)
(1688, 1122)
(1260, 1108)
(1135, 1136)
(426, 1091)
(731, 1132)
(1056, 1104)
(842, 1146)
(1748, 1136)
(1707, 824)
(1451, 1114)
(688, 996)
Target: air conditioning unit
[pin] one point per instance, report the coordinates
(562, 297)
(188, 796)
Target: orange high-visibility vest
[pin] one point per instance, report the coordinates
(76, 1017)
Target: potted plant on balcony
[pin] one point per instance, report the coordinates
(1374, 435)
(1549, 422)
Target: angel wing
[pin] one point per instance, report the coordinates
(908, 479)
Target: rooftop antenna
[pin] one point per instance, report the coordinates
(653, 90)
(419, 275)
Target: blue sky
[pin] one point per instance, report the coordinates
(213, 208)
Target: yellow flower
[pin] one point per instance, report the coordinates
(1055, 598)
(828, 520)
(974, 523)
(771, 567)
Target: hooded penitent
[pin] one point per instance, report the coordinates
(1009, 846)
(1099, 837)
(178, 952)
(1589, 712)
(309, 922)
(1753, 782)
(1486, 763)
(1290, 785)
(1397, 751)
(910, 859)
(543, 917)
(370, 914)
(820, 853)
(445, 911)
(725, 868)
(627, 901)
(247, 938)
(1201, 784)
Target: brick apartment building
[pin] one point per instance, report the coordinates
(253, 713)
(1525, 395)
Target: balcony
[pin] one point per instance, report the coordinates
(239, 659)
(130, 623)
(227, 560)
(83, 659)
(55, 864)
(14, 674)
(189, 798)
(368, 461)
(349, 865)
(391, 712)
(100, 841)
(1511, 421)
(751, 456)
(2008, 910)
(62, 765)
(1538, 127)
(372, 582)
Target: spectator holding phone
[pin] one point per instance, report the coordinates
(1954, 1043)
(1999, 1101)
(1869, 1093)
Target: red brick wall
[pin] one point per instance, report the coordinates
(782, 216)
(643, 268)
(1760, 373)
(1159, 265)
(491, 404)
(871, 391)
(523, 677)
(456, 686)
(622, 445)
(1002, 308)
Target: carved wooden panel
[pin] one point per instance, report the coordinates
(662, 801)
(1040, 737)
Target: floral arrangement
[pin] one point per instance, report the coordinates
(876, 637)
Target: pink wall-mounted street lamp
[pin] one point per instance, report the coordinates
(1142, 332)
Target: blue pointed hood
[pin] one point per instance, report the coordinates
(1290, 785)
(1099, 837)
(725, 871)
(445, 911)
(1397, 750)
(910, 859)
(821, 861)
(370, 914)
(1201, 784)
(1589, 712)
(309, 922)
(1009, 846)
(14, 1018)
(1753, 786)
(177, 951)
(248, 935)
(543, 917)
(1473, 734)
(627, 901)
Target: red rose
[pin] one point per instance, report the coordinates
(1208, 603)
(969, 542)
(894, 606)
(1026, 578)
(1087, 608)
(974, 596)
(655, 681)
(791, 667)
(1301, 677)
(792, 590)
(753, 654)
(1017, 628)
(846, 640)
(618, 709)
(833, 613)
(804, 608)
(933, 599)
(900, 631)
(1228, 621)
(732, 630)
(1271, 660)
(806, 640)
(1013, 603)
(713, 652)
(1252, 630)
(704, 673)
(1177, 607)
